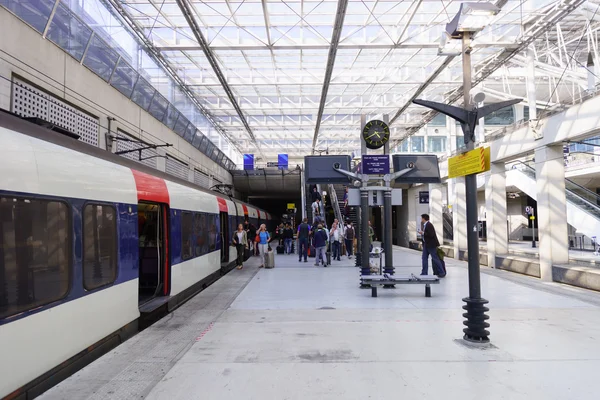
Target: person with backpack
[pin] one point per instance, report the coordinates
(303, 234)
(320, 245)
(349, 238)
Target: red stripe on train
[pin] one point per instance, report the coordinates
(222, 205)
(150, 188)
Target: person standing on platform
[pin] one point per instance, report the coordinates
(303, 234)
(320, 245)
(263, 244)
(349, 238)
(288, 236)
(240, 240)
(430, 245)
(335, 238)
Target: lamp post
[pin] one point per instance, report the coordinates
(471, 18)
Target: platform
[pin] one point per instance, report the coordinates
(305, 332)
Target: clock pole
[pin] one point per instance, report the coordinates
(386, 226)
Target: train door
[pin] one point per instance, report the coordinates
(153, 250)
(225, 239)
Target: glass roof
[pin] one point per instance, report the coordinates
(278, 60)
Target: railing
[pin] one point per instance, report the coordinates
(335, 203)
(575, 193)
(448, 225)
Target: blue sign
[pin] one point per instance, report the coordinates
(375, 164)
(282, 161)
(248, 161)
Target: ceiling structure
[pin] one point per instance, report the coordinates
(282, 76)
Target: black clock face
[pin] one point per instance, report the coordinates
(375, 134)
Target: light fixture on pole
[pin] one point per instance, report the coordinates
(471, 18)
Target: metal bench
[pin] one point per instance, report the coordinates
(402, 279)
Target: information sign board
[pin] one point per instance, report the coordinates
(471, 162)
(375, 164)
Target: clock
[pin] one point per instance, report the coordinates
(376, 133)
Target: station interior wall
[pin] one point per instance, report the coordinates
(47, 66)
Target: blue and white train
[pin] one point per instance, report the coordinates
(89, 241)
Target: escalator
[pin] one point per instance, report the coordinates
(583, 211)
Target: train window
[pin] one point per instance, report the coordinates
(187, 239)
(99, 245)
(35, 262)
(200, 233)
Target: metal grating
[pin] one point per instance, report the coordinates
(177, 168)
(201, 179)
(29, 101)
(135, 155)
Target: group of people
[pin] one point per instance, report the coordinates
(321, 237)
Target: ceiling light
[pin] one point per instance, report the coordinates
(471, 17)
(449, 47)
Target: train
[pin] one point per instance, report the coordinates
(91, 241)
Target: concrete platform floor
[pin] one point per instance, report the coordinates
(305, 332)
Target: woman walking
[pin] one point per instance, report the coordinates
(240, 240)
(263, 243)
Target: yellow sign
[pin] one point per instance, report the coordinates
(291, 206)
(532, 218)
(471, 162)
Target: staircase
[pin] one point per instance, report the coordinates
(353, 211)
(583, 212)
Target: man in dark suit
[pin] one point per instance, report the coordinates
(430, 245)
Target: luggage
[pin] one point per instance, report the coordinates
(280, 249)
(270, 262)
(311, 251)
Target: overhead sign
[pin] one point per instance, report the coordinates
(324, 169)
(375, 164)
(248, 161)
(271, 164)
(291, 206)
(471, 162)
(282, 161)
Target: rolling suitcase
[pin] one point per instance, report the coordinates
(280, 249)
(328, 258)
(311, 251)
(270, 262)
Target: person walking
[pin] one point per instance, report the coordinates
(320, 245)
(240, 240)
(316, 208)
(335, 238)
(263, 244)
(430, 245)
(251, 233)
(288, 237)
(349, 238)
(303, 234)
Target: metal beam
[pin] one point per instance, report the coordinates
(186, 10)
(422, 88)
(335, 39)
(350, 46)
(121, 13)
(536, 29)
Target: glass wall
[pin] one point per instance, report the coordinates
(417, 144)
(436, 144)
(504, 116)
(438, 120)
(113, 54)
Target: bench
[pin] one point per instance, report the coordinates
(402, 279)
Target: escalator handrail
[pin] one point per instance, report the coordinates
(573, 193)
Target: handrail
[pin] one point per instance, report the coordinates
(335, 203)
(571, 192)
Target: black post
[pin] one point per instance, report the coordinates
(387, 232)
(364, 234)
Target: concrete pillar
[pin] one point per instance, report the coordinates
(552, 209)
(436, 210)
(161, 162)
(459, 216)
(496, 213)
